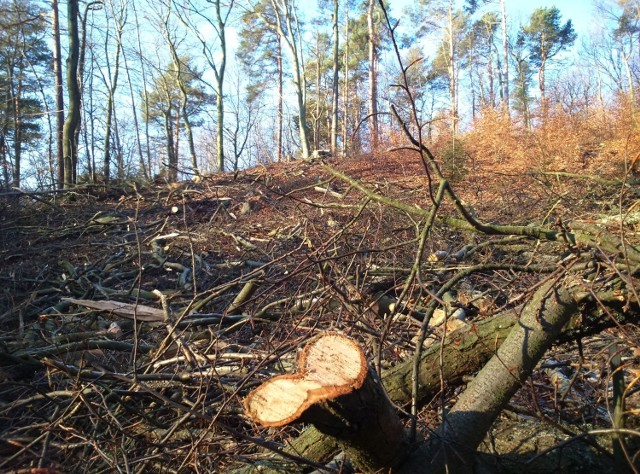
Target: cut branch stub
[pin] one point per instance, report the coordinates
(329, 366)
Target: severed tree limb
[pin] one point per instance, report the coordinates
(465, 426)
(333, 391)
(465, 351)
(580, 234)
(245, 294)
(468, 222)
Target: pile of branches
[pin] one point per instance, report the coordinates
(134, 322)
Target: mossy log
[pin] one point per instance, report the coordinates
(466, 351)
(335, 392)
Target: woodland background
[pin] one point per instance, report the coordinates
(182, 88)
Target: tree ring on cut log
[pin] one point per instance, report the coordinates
(330, 365)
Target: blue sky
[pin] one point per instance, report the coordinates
(580, 12)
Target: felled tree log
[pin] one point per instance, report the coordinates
(453, 446)
(464, 353)
(336, 392)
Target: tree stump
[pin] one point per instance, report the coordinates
(336, 392)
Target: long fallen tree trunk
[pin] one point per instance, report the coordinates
(333, 392)
(466, 351)
(466, 425)
(463, 353)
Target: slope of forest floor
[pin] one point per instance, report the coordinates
(135, 318)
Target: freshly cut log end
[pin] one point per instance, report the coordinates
(336, 392)
(330, 365)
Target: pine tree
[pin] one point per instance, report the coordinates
(165, 106)
(23, 53)
(545, 37)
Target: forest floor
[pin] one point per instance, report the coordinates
(99, 373)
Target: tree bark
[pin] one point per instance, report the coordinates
(57, 73)
(505, 59)
(280, 101)
(145, 101)
(345, 90)
(172, 161)
(335, 81)
(110, 107)
(80, 75)
(219, 73)
(17, 128)
(452, 71)
(465, 351)
(465, 426)
(630, 83)
(336, 392)
(317, 121)
(543, 89)
(134, 113)
(70, 144)
(287, 28)
(373, 78)
(333, 393)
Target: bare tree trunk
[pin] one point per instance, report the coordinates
(474, 108)
(51, 134)
(176, 142)
(632, 95)
(541, 83)
(336, 392)
(88, 129)
(317, 121)
(505, 59)
(4, 161)
(181, 82)
(335, 83)
(466, 425)
(136, 122)
(110, 106)
(345, 91)
(287, 27)
(189, 130)
(81, 85)
(490, 73)
(280, 130)
(527, 335)
(144, 91)
(172, 170)
(452, 71)
(59, 88)
(17, 131)
(184, 101)
(70, 144)
(219, 73)
(373, 78)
